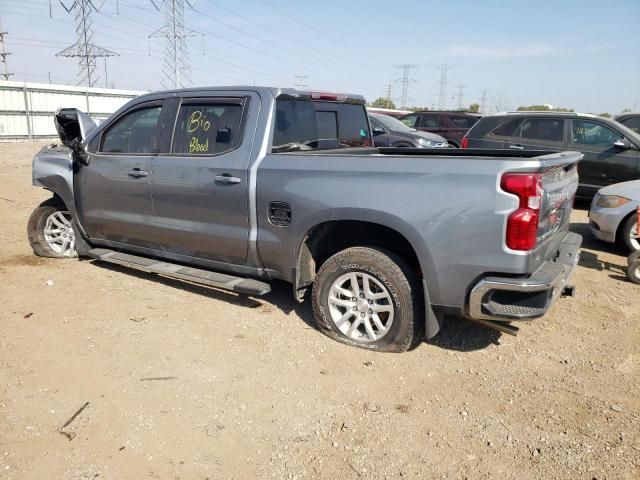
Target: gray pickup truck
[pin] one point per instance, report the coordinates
(233, 187)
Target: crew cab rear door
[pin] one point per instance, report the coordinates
(200, 188)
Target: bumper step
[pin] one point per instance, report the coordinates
(242, 285)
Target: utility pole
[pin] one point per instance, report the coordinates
(176, 67)
(483, 101)
(3, 55)
(442, 97)
(460, 95)
(405, 80)
(300, 80)
(388, 96)
(84, 49)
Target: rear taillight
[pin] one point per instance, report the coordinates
(522, 225)
(465, 143)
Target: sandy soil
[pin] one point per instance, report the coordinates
(185, 382)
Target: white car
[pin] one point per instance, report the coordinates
(614, 214)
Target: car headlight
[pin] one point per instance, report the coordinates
(611, 201)
(426, 143)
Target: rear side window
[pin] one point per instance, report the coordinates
(507, 129)
(545, 129)
(632, 122)
(463, 122)
(430, 121)
(135, 132)
(307, 125)
(592, 133)
(208, 128)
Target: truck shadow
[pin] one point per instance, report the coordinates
(456, 334)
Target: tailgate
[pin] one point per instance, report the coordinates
(559, 185)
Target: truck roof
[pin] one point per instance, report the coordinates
(261, 90)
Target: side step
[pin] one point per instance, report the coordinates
(246, 286)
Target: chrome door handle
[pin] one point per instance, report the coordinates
(136, 173)
(227, 179)
(516, 147)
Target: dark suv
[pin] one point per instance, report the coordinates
(630, 120)
(450, 125)
(611, 150)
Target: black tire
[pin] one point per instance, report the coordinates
(625, 232)
(35, 228)
(406, 329)
(633, 270)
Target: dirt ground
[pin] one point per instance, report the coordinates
(186, 382)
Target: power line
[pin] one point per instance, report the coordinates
(405, 80)
(388, 99)
(84, 49)
(3, 55)
(176, 60)
(483, 101)
(300, 81)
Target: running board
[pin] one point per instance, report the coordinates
(246, 286)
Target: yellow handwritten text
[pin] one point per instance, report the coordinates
(196, 147)
(198, 120)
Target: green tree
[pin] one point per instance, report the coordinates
(382, 102)
(474, 108)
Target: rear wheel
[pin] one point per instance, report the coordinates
(368, 298)
(50, 231)
(629, 235)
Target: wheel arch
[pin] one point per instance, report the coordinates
(326, 238)
(623, 222)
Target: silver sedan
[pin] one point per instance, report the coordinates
(614, 214)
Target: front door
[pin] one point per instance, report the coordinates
(603, 164)
(200, 189)
(113, 191)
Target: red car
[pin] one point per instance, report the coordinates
(450, 125)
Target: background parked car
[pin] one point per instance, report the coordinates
(388, 111)
(613, 215)
(450, 125)
(389, 132)
(629, 120)
(611, 150)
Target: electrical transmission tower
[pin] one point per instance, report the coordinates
(483, 101)
(388, 98)
(405, 80)
(460, 95)
(442, 98)
(3, 56)
(84, 49)
(300, 81)
(176, 67)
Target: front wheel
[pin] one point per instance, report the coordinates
(369, 298)
(633, 270)
(629, 235)
(50, 231)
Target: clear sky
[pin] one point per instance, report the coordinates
(581, 54)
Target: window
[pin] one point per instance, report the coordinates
(135, 132)
(327, 125)
(207, 128)
(463, 122)
(409, 120)
(430, 121)
(545, 129)
(592, 133)
(508, 129)
(307, 125)
(632, 122)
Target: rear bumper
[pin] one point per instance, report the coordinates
(507, 299)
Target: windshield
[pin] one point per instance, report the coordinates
(391, 123)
